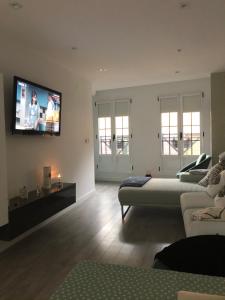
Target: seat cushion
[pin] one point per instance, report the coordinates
(204, 254)
(157, 191)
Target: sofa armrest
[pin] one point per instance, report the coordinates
(206, 227)
(195, 200)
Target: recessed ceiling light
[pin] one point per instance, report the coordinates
(183, 5)
(15, 5)
(102, 70)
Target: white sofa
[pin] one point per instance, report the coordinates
(156, 192)
(193, 201)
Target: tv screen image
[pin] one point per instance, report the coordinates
(37, 109)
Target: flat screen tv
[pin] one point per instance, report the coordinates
(36, 109)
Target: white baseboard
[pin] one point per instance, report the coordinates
(111, 179)
(86, 196)
(110, 176)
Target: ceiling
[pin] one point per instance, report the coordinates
(137, 41)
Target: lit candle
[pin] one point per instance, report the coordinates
(60, 184)
(59, 180)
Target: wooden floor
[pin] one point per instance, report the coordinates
(34, 267)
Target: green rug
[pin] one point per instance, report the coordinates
(90, 280)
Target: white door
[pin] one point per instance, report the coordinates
(113, 140)
(192, 134)
(181, 133)
(104, 137)
(170, 141)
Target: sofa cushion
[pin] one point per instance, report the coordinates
(212, 175)
(157, 192)
(222, 156)
(216, 184)
(204, 181)
(200, 254)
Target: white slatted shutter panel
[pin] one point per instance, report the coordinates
(122, 108)
(192, 103)
(104, 110)
(169, 104)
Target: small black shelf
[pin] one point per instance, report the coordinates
(24, 214)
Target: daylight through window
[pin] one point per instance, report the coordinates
(104, 132)
(169, 133)
(122, 135)
(191, 133)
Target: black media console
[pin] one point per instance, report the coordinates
(24, 214)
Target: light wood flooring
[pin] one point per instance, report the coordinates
(34, 267)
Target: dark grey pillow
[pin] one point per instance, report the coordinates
(204, 254)
(200, 158)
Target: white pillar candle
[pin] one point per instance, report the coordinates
(47, 178)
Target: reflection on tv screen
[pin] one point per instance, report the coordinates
(37, 108)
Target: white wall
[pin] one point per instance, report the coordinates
(3, 172)
(145, 120)
(69, 154)
(218, 111)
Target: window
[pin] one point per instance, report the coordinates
(104, 132)
(122, 135)
(169, 133)
(191, 133)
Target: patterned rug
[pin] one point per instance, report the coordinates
(90, 280)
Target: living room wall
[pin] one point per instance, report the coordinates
(218, 113)
(145, 122)
(71, 154)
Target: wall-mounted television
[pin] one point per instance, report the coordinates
(36, 109)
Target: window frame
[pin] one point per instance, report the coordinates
(105, 136)
(191, 133)
(169, 134)
(122, 140)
